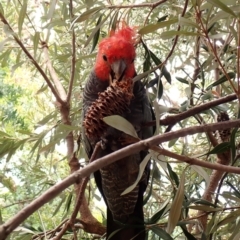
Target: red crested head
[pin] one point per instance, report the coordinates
(116, 55)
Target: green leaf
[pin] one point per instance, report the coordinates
(221, 80)
(176, 207)
(232, 143)
(155, 218)
(46, 119)
(182, 80)
(205, 208)
(114, 21)
(187, 22)
(172, 174)
(220, 148)
(188, 235)
(36, 39)
(142, 167)
(96, 34)
(160, 232)
(96, 31)
(22, 15)
(157, 113)
(171, 34)
(87, 14)
(202, 173)
(51, 9)
(2, 43)
(121, 124)
(228, 219)
(68, 203)
(1, 9)
(153, 27)
(222, 6)
(63, 199)
(235, 190)
(160, 89)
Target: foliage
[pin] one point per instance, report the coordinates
(195, 46)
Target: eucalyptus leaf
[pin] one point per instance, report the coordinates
(121, 124)
(222, 6)
(153, 27)
(176, 207)
(22, 15)
(142, 167)
(87, 14)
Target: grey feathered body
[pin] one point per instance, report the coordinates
(113, 179)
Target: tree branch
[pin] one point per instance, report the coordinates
(52, 192)
(170, 120)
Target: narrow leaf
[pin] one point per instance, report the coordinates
(153, 27)
(1, 9)
(51, 9)
(87, 14)
(187, 22)
(182, 80)
(232, 143)
(96, 34)
(205, 208)
(121, 124)
(96, 30)
(161, 233)
(142, 167)
(157, 114)
(36, 39)
(176, 207)
(159, 213)
(188, 235)
(222, 6)
(221, 80)
(2, 43)
(115, 20)
(202, 173)
(170, 34)
(220, 148)
(22, 14)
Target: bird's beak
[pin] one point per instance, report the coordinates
(118, 68)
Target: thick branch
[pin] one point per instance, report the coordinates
(52, 192)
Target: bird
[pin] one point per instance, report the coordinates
(115, 61)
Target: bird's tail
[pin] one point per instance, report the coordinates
(133, 228)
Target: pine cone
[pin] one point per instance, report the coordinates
(114, 100)
(224, 134)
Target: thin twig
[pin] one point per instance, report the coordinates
(177, 36)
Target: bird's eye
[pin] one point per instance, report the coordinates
(105, 58)
(132, 60)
